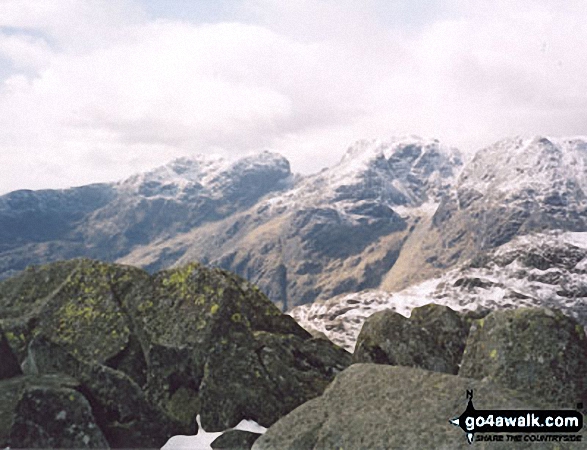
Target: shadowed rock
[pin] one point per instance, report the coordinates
(433, 338)
(235, 440)
(9, 366)
(122, 409)
(47, 412)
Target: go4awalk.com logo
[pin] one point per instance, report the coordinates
(520, 425)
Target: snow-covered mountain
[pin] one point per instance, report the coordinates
(215, 176)
(336, 231)
(391, 216)
(514, 187)
(401, 172)
(106, 221)
(511, 232)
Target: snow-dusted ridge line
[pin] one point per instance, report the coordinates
(365, 166)
(200, 172)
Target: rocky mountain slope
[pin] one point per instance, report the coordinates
(514, 187)
(107, 221)
(541, 269)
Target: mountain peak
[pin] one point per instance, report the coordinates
(523, 163)
(204, 171)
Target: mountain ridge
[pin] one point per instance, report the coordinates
(392, 213)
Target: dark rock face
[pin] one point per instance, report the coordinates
(235, 440)
(152, 352)
(537, 350)
(381, 407)
(72, 423)
(47, 412)
(433, 338)
(9, 366)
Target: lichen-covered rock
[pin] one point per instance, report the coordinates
(78, 304)
(9, 366)
(448, 329)
(371, 406)
(154, 351)
(533, 349)
(433, 338)
(235, 440)
(223, 327)
(55, 418)
(47, 412)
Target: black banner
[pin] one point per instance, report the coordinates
(473, 421)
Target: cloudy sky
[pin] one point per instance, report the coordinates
(95, 90)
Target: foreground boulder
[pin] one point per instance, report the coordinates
(153, 351)
(433, 338)
(538, 350)
(245, 359)
(47, 412)
(372, 406)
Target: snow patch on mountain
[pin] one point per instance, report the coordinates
(180, 173)
(546, 269)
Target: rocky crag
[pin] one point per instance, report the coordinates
(97, 355)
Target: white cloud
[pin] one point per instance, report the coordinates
(96, 91)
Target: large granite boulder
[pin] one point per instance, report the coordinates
(47, 412)
(433, 338)
(372, 406)
(153, 351)
(538, 350)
